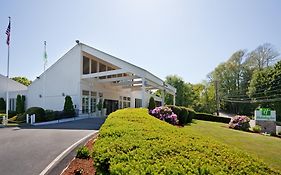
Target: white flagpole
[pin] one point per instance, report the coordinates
(7, 92)
(44, 78)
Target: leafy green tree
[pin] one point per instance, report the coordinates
(68, 106)
(22, 80)
(184, 96)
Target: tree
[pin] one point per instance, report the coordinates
(23, 103)
(22, 80)
(18, 104)
(2, 105)
(184, 96)
(68, 106)
(263, 56)
(151, 104)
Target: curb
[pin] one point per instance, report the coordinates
(54, 167)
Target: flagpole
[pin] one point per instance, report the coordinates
(8, 71)
(44, 78)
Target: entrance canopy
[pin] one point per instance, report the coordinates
(104, 68)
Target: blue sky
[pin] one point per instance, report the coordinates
(187, 38)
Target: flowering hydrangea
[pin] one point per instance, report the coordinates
(164, 113)
(240, 122)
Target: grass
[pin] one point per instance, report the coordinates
(263, 147)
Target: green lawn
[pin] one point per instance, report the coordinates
(266, 148)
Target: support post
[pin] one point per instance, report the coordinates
(174, 99)
(163, 97)
(143, 92)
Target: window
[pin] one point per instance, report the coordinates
(138, 103)
(12, 104)
(94, 66)
(93, 102)
(102, 69)
(85, 102)
(109, 69)
(125, 102)
(86, 65)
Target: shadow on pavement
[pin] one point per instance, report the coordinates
(84, 124)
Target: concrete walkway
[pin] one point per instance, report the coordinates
(29, 150)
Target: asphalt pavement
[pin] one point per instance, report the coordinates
(29, 150)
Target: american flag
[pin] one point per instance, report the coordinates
(8, 32)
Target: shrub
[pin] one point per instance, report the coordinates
(210, 117)
(23, 103)
(151, 104)
(18, 104)
(185, 115)
(83, 153)
(2, 105)
(240, 122)
(68, 106)
(50, 115)
(257, 129)
(39, 113)
(132, 142)
(164, 113)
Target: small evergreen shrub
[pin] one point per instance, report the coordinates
(151, 104)
(2, 105)
(68, 106)
(257, 129)
(83, 153)
(22, 104)
(18, 104)
(164, 113)
(240, 122)
(39, 114)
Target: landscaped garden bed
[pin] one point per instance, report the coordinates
(133, 142)
(82, 165)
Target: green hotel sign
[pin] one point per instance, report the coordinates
(265, 114)
(265, 111)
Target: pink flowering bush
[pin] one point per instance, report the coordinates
(240, 122)
(164, 113)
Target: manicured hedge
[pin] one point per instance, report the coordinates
(133, 142)
(210, 117)
(185, 115)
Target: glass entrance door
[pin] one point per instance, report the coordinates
(111, 106)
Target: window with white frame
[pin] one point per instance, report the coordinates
(124, 102)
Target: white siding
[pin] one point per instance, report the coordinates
(61, 78)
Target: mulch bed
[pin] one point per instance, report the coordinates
(82, 166)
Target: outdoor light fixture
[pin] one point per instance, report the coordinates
(63, 94)
(40, 96)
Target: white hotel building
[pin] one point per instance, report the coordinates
(89, 75)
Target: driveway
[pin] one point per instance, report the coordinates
(29, 150)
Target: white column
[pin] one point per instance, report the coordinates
(163, 97)
(143, 92)
(174, 99)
